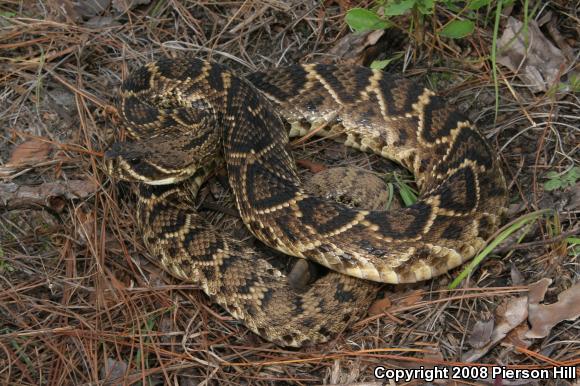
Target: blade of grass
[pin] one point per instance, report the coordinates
(502, 234)
(407, 193)
(493, 56)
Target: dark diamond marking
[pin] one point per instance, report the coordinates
(453, 231)
(138, 81)
(459, 191)
(179, 69)
(343, 295)
(261, 179)
(324, 217)
(137, 112)
(214, 78)
(326, 72)
(386, 85)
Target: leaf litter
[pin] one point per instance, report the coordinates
(81, 300)
(528, 53)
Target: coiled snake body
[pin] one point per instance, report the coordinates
(184, 114)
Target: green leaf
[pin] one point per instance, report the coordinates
(552, 185)
(457, 29)
(7, 14)
(568, 176)
(574, 243)
(474, 5)
(380, 64)
(407, 193)
(553, 175)
(397, 8)
(425, 6)
(573, 174)
(361, 20)
(574, 82)
(407, 196)
(450, 6)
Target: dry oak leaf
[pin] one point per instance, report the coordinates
(126, 5)
(535, 60)
(352, 46)
(508, 316)
(517, 336)
(413, 298)
(481, 333)
(48, 193)
(537, 290)
(314, 167)
(543, 317)
(30, 151)
(379, 306)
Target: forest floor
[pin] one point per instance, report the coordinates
(83, 302)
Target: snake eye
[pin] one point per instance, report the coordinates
(134, 161)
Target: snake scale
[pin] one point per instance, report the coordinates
(185, 115)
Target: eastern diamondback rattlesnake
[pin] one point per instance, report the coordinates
(183, 115)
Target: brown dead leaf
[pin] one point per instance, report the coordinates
(379, 306)
(508, 316)
(352, 46)
(511, 314)
(534, 58)
(544, 317)
(481, 333)
(413, 298)
(30, 151)
(537, 290)
(86, 226)
(516, 275)
(113, 370)
(126, 5)
(90, 8)
(517, 336)
(557, 37)
(50, 194)
(314, 167)
(112, 297)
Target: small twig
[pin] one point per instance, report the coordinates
(312, 132)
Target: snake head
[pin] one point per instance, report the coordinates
(159, 162)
